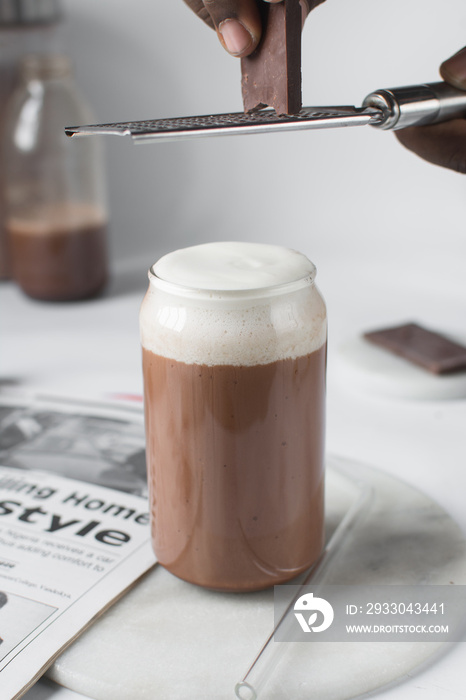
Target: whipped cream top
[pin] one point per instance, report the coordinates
(232, 303)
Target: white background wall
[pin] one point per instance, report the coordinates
(332, 194)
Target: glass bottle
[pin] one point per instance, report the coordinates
(56, 211)
(25, 27)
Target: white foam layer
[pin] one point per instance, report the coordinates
(246, 328)
(233, 266)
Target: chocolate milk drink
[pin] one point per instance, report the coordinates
(234, 353)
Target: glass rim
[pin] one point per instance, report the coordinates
(179, 290)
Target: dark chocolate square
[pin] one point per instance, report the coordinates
(428, 349)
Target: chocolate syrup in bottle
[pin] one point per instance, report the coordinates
(56, 214)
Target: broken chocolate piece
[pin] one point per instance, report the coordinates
(271, 76)
(430, 350)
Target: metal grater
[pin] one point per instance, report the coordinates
(393, 108)
(233, 123)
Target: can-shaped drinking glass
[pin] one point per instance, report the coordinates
(234, 357)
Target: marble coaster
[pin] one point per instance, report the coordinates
(366, 368)
(172, 640)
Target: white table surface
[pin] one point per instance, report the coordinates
(92, 349)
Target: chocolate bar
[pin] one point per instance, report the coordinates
(271, 76)
(425, 348)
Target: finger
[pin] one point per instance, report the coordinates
(453, 70)
(199, 8)
(440, 144)
(238, 24)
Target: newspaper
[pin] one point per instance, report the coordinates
(74, 526)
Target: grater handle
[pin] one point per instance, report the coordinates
(417, 104)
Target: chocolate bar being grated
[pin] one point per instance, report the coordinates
(425, 348)
(271, 76)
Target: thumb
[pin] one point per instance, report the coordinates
(453, 70)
